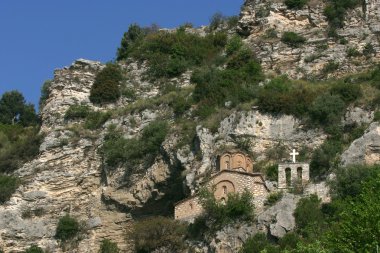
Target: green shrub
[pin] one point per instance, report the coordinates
(349, 181)
(158, 232)
(369, 50)
(327, 109)
(233, 45)
(292, 39)
(95, 120)
(170, 54)
(324, 157)
(17, 145)
(106, 85)
(357, 226)
(273, 198)
(281, 96)
(108, 246)
(8, 185)
(258, 244)
(77, 112)
(118, 150)
(347, 92)
(34, 249)
(271, 172)
(237, 207)
(198, 228)
(236, 84)
(67, 228)
(295, 4)
(308, 216)
(353, 52)
(377, 116)
(232, 21)
(330, 67)
(289, 241)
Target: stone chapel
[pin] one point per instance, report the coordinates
(235, 173)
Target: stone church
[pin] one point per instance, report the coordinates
(235, 174)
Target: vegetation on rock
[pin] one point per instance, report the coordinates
(34, 249)
(8, 185)
(292, 39)
(118, 150)
(106, 85)
(295, 4)
(108, 246)
(67, 228)
(158, 233)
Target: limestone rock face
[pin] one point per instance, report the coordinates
(264, 22)
(258, 132)
(279, 219)
(231, 238)
(366, 149)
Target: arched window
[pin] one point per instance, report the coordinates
(191, 206)
(288, 175)
(299, 173)
(227, 165)
(224, 190)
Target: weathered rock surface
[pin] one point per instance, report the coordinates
(366, 149)
(264, 22)
(279, 219)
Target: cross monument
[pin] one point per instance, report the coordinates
(293, 154)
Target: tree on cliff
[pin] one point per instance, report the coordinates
(13, 109)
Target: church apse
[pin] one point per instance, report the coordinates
(235, 161)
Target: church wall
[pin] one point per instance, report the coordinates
(188, 210)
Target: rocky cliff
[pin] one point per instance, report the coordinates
(70, 176)
(264, 22)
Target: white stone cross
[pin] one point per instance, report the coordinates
(293, 154)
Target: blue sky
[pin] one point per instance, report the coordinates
(39, 36)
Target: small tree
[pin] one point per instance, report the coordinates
(68, 228)
(106, 85)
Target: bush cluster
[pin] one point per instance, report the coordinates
(295, 4)
(8, 185)
(217, 214)
(77, 112)
(293, 39)
(118, 150)
(158, 233)
(106, 85)
(34, 249)
(67, 228)
(93, 120)
(235, 84)
(108, 246)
